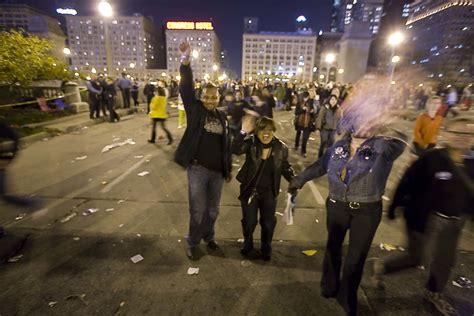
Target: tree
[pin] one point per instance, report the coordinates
(25, 58)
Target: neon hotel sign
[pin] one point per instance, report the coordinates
(189, 26)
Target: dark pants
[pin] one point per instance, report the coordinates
(163, 127)
(135, 98)
(265, 202)
(204, 194)
(443, 236)
(126, 97)
(306, 132)
(103, 105)
(412, 257)
(148, 101)
(327, 140)
(113, 116)
(94, 106)
(362, 224)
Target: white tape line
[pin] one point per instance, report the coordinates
(120, 178)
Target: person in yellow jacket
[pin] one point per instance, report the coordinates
(159, 113)
(427, 127)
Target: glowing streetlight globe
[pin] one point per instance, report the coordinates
(215, 67)
(105, 9)
(132, 65)
(395, 59)
(93, 70)
(66, 51)
(330, 58)
(341, 71)
(395, 39)
(195, 54)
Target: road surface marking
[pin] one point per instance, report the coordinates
(314, 189)
(120, 178)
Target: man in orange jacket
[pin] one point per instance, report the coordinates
(427, 127)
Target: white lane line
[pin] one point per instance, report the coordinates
(120, 178)
(314, 189)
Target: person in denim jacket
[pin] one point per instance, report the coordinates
(357, 167)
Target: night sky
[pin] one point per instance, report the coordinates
(227, 15)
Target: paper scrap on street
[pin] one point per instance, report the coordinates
(120, 201)
(137, 258)
(289, 210)
(90, 211)
(121, 225)
(144, 173)
(81, 297)
(76, 238)
(463, 283)
(139, 235)
(193, 271)
(68, 217)
(15, 259)
(104, 182)
(138, 157)
(240, 240)
(118, 144)
(52, 304)
(21, 216)
(109, 209)
(310, 252)
(81, 158)
(316, 220)
(245, 263)
(387, 247)
(279, 214)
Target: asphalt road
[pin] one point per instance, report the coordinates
(148, 215)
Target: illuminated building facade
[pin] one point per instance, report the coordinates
(122, 43)
(440, 34)
(206, 53)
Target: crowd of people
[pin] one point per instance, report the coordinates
(357, 152)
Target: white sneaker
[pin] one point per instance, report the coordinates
(440, 303)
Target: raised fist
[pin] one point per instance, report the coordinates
(185, 48)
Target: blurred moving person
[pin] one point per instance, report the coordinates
(159, 114)
(427, 127)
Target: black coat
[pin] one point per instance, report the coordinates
(252, 148)
(196, 118)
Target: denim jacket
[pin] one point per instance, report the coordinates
(366, 173)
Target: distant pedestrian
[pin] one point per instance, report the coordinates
(451, 101)
(149, 92)
(95, 92)
(305, 122)
(134, 92)
(109, 94)
(159, 114)
(326, 123)
(124, 85)
(102, 98)
(427, 127)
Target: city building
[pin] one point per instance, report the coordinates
(328, 43)
(356, 10)
(282, 55)
(35, 22)
(114, 45)
(206, 53)
(440, 35)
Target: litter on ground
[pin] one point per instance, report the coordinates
(90, 211)
(52, 304)
(279, 214)
(117, 144)
(21, 216)
(462, 282)
(310, 252)
(76, 238)
(78, 296)
(137, 258)
(138, 157)
(68, 217)
(387, 247)
(15, 259)
(81, 158)
(193, 271)
(240, 240)
(144, 173)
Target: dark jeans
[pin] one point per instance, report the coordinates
(148, 101)
(443, 236)
(306, 132)
(126, 97)
(103, 105)
(94, 106)
(327, 140)
(362, 224)
(265, 202)
(204, 194)
(135, 98)
(111, 108)
(163, 127)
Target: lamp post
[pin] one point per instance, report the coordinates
(394, 40)
(330, 58)
(105, 10)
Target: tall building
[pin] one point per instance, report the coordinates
(113, 45)
(328, 43)
(250, 25)
(279, 54)
(336, 16)
(358, 10)
(441, 34)
(34, 22)
(204, 43)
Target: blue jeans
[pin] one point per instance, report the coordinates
(204, 194)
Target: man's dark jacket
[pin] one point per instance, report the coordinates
(196, 115)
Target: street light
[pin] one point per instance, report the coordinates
(330, 58)
(394, 40)
(195, 54)
(341, 70)
(132, 65)
(66, 51)
(215, 67)
(105, 9)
